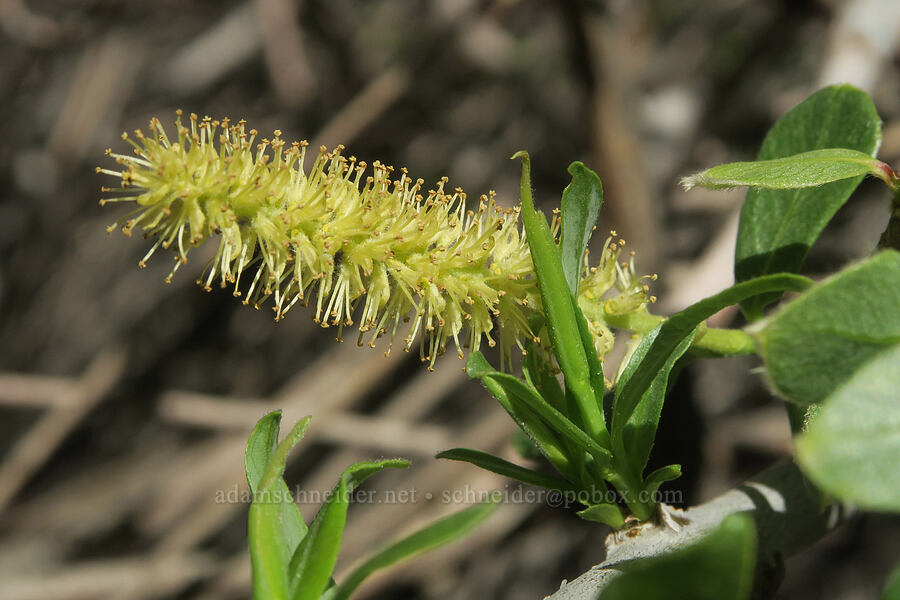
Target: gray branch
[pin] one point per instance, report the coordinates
(788, 511)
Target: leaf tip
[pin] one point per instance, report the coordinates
(689, 182)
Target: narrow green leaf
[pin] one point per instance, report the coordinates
(558, 307)
(675, 329)
(608, 514)
(260, 446)
(275, 526)
(503, 467)
(537, 371)
(718, 567)
(313, 562)
(558, 422)
(595, 367)
(439, 533)
(804, 170)
(639, 431)
(819, 340)
(851, 447)
(660, 476)
(528, 421)
(540, 372)
(777, 227)
(579, 211)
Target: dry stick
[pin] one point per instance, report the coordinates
(364, 109)
(92, 506)
(787, 510)
(292, 78)
(34, 391)
(101, 85)
(395, 436)
(321, 389)
(36, 446)
(103, 578)
(213, 54)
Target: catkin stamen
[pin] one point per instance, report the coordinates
(368, 242)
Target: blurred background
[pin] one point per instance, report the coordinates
(125, 402)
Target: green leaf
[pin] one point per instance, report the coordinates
(503, 467)
(580, 209)
(595, 367)
(559, 310)
(851, 447)
(260, 446)
(528, 421)
(558, 422)
(537, 368)
(608, 514)
(313, 562)
(639, 431)
(777, 227)
(804, 170)
(819, 340)
(275, 526)
(673, 331)
(660, 476)
(439, 533)
(718, 567)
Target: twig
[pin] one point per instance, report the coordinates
(36, 446)
(787, 510)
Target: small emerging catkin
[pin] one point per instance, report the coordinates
(362, 245)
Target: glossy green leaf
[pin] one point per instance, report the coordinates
(579, 211)
(559, 310)
(503, 467)
(852, 445)
(439, 533)
(275, 527)
(819, 340)
(608, 514)
(718, 567)
(639, 431)
(804, 170)
(673, 331)
(557, 421)
(777, 227)
(313, 562)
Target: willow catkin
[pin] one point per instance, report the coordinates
(365, 246)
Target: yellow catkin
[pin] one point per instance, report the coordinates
(364, 246)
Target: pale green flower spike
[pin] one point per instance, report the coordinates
(365, 245)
